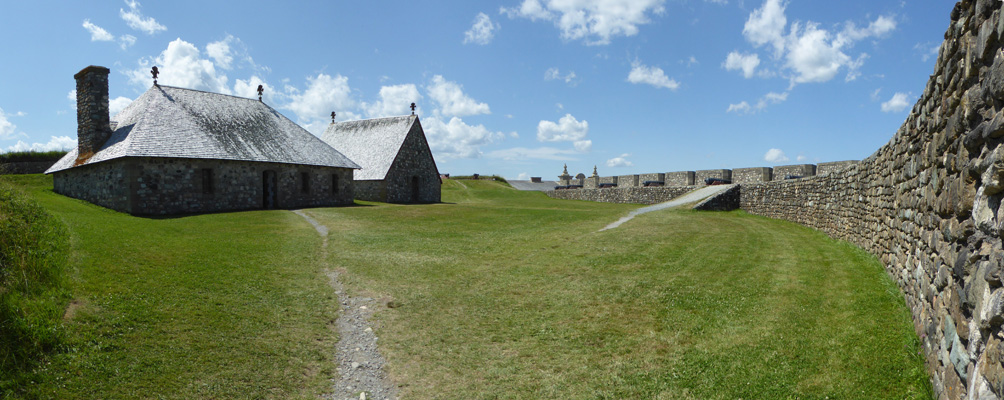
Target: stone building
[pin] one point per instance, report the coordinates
(397, 164)
(177, 150)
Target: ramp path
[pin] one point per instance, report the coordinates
(360, 365)
(691, 197)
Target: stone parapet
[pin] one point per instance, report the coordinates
(752, 175)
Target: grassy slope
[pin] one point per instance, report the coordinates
(512, 295)
(213, 306)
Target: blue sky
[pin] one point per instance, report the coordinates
(511, 87)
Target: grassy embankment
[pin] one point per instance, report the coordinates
(231, 305)
(502, 294)
(33, 251)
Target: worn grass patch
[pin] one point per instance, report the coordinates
(231, 305)
(508, 294)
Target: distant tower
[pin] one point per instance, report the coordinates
(594, 172)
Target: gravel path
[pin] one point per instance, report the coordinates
(696, 195)
(360, 365)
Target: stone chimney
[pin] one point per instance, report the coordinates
(93, 128)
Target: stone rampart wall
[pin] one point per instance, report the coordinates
(633, 195)
(752, 175)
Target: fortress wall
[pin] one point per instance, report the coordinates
(627, 181)
(634, 195)
(828, 167)
(801, 170)
(642, 178)
(752, 175)
(927, 204)
(700, 176)
(681, 178)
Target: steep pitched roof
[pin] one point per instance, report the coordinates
(183, 123)
(373, 143)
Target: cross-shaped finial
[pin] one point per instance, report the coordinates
(154, 72)
(261, 89)
(412, 108)
(332, 117)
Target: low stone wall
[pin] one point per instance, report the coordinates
(26, 167)
(627, 181)
(802, 170)
(751, 175)
(632, 195)
(642, 178)
(828, 167)
(700, 176)
(680, 178)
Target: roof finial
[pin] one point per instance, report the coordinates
(155, 72)
(332, 117)
(594, 171)
(412, 108)
(261, 89)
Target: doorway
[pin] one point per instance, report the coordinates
(414, 189)
(268, 190)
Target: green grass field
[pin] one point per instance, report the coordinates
(497, 294)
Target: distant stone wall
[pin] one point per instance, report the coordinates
(164, 186)
(642, 178)
(752, 175)
(828, 167)
(680, 178)
(724, 201)
(794, 171)
(700, 176)
(627, 181)
(26, 167)
(633, 195)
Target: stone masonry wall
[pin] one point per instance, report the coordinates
(164, 186)
(927, 204)
(751, 175)
(700, 176)
(801, 170)
(681, 178)
(633, 195)
(627, 181)
(25, 167)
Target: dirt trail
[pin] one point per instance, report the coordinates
(360, 365)
(694, 196)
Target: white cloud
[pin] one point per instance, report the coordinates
(897, 103)
(692, 61)
(775, 156)
(620, 162)
(766, 25)
(220, 52)
(927, 50)
(810, 53)
(567, 129)
(482, 31)
(651, 75)
(182, 65)
(741, 107)
(135, 19)
(457, 139)
(594, 21)
(125, 41)
(801, 158)
(523, 176)
(6, 127)
(118, 104)
(98, 34)
(553, 73)
(875, 94)
(394, 100)
(55, 143)
(452, 100)
(72, 96)
(323, 95)
(761, 104)
(539, 153)
(746, 62)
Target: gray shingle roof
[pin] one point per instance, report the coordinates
(183, 123)
(373, 143)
